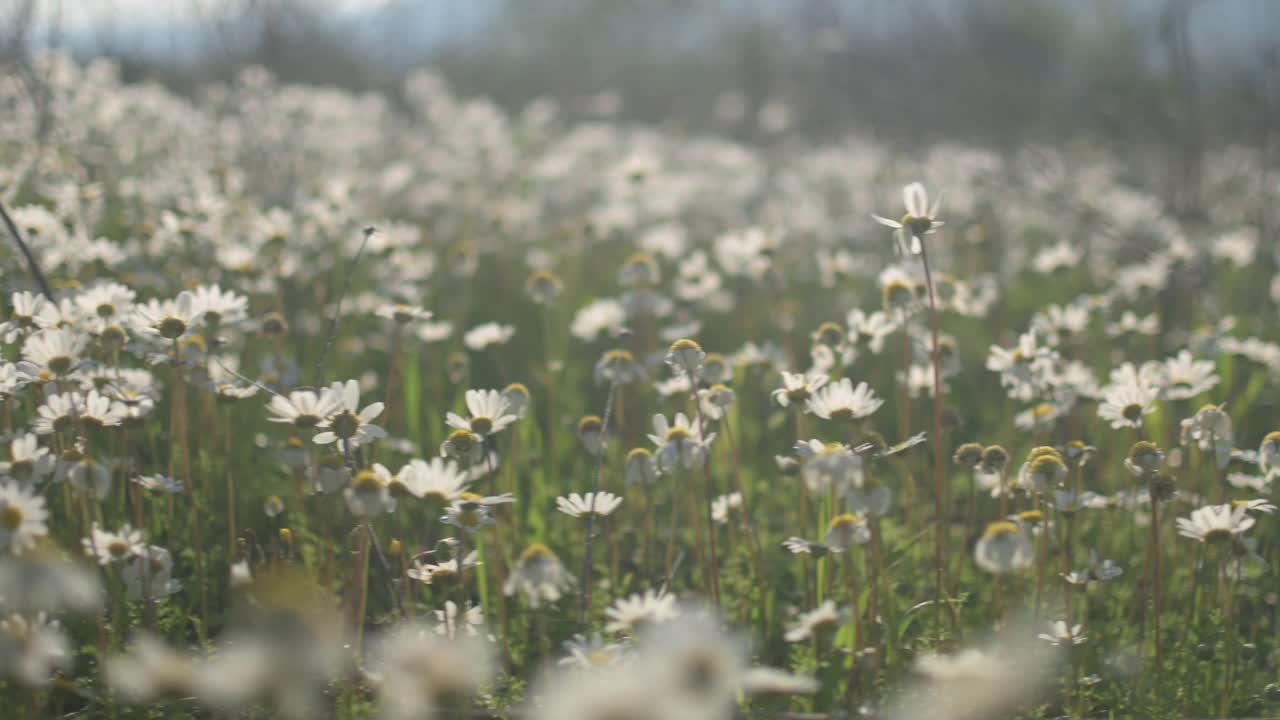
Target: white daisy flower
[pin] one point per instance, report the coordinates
(304, 409)
(1060, 633)
(828, 464)
(1215, 523)
(449, 622)
(1003, 548)
(920, 218)
(437, 478)
(809, 623)
(723, 505)
(1186, 377)
(28, 460)
(680, 444)
(107, 547)
(55, 351)
(845, 531)
(1269, 456)
(369, 493)
(22, 518)
(592, 653)
(491, 333)
(169, 319)
(601, 504)
(843, 402)
(640, 610)
(539, 576)
(490, 413)
(346, 422)
(798, 388)
(1126, 405)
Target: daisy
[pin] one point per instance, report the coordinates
(618, 367)
(449, 623)
(715, 401)
(797, 388)
(28, 460)
(539, 576)
(490, 413)
(304, 409)
(34, 648)
(601, 316)
(1126, 405)
(641, 467)
(601, 504)
(809, 623)
(1144, 459)
(1186, 378)
(590, 653)
(1269, 456)
(108, 547)
(1211, 430)
(169, 319)
(920, 218)
(869, 501)
(828, 464)
(517, 395)
(467, 515)
(22, 518)
(369, 493)
(463, 444)
(591, 434)
(845, 531)
(430, 332)
(56, 352)
(219, 308)
(723, 505)
(640, 610)
(843, 402)
(26, 308)
(416, 670)
(149, 575)
(443, 573)
(403, 314)
(1044, 469)
(680, 445)
(1215, 523)
(618, 690)
(873, 328)
(543, 287)
(1096, 571)
(800, 546)
(159, 483)
(1261, 505)
(685, 358)
(354, 427)
(437, 479)
(1023, 369)
(639, 270)
(482, 336)
(1060, 633)
(107, 302)
(99, 411)
(150, 670)
(1003, 548)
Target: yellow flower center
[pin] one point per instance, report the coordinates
(999, 528)
(171, 328)
(11, 517)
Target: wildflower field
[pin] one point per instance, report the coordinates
(317, 405)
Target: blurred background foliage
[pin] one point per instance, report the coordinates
(1162, 78)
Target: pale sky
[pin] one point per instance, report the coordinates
(81, 16)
